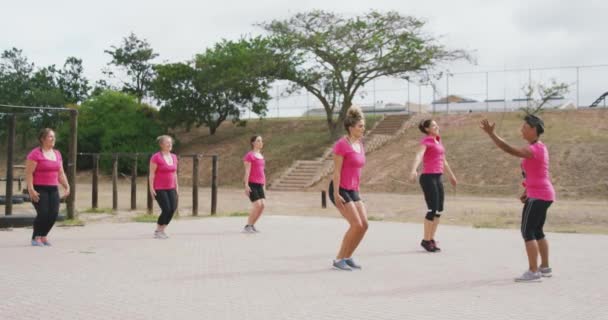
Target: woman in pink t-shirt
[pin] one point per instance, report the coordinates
(163, 183)
(255, 181)
(538, 194)
(349, 159)
(432, 155)
(44, 171)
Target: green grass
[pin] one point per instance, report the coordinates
(71, 223)
(99, 211)
(375, 218)
(238, 214)
(146, 218)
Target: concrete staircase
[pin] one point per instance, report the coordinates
(305, 173)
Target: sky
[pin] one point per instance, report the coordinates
(499, 34)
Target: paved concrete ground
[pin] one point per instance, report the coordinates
(209, 270)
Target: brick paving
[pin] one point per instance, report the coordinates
(208, 269)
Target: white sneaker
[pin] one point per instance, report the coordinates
(529, 276)
(546, 272)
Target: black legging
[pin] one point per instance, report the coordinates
(167, 200)
(47, 209)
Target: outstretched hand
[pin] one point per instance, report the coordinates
(487, 127)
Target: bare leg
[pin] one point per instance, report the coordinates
(362, 213)
(350, 213)
(428, 230)
(434, 228)
(543, 248)
(260, 208)
(532, 251)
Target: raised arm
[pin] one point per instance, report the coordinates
(488, 128)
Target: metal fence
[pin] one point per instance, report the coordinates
(490, 89)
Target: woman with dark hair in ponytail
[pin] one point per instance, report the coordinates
(255, 181)
(349, 159)
(44, 171)
(432, 155)
(538, 194)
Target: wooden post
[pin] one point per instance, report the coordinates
(72, 158)
(95, 188)
(149, 198)
(195, 173)
(323, 199)
(214, 184)
(134, 184)
(115, 182)
(8, 207)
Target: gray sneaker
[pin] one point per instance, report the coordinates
(158, 235)
(351, 263)
(546, 272)
(248, 229)
(254, 229)
(163, 235)
(341, 265)
(529, 276)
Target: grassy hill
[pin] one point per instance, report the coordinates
(577, 142)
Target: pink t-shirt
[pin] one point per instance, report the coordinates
(164, 176)
(351, 165)
(256, 175)
(537, 180)
(47, 171)
(432, 161)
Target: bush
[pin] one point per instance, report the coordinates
(113, 122)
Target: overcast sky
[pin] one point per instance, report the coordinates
(501, 34)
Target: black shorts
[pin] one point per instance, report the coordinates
(432, 186)
(257, 192)
(533, 219)
(347, 195)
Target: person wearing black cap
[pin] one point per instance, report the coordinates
(538, 194)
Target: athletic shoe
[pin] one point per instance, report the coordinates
(254, 229)
(36, 243)
(435, 245)
(341, 265)
(248, 229)
(529, 276)
(158, 235)
(428, 246)
(46, 243)
(546, 272)
(351, 263)
(163, 235)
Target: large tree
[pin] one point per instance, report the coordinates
(72, 82)
(22, 83)
(218, 85)
(333, 56)
(134, 59)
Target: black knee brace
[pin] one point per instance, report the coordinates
(437, 215)
(430, 215)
